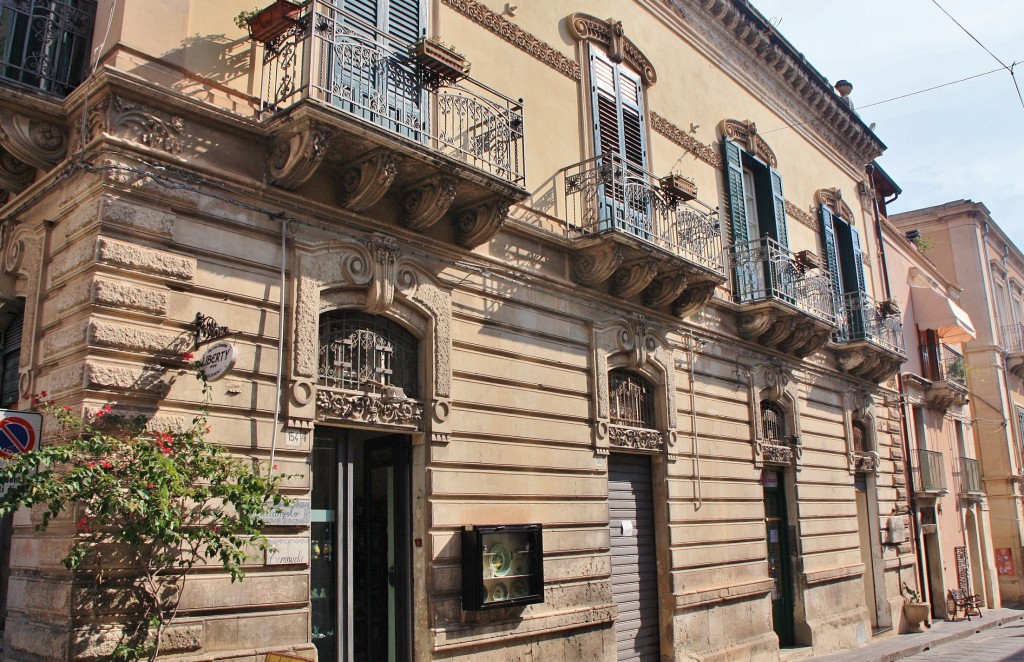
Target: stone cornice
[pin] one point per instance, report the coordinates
(754, 46)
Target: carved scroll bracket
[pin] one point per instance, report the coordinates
(479, 224)
(39, 144)
(296, 154)
(596, 264)
(633, 276)
(15, 174)
(367, 180)
(693, 299)
(427, 202)
(664, 289)
(611, 36)
(833, 199)
(746, 134)
(383, 251)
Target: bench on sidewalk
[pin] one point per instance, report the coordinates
(970, 605)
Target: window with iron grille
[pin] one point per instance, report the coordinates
(10, 356)
(773, 423)
(46, 42)
(360, 352)
(630, 400)
(859, 437)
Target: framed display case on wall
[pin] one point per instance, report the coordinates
(502, 566)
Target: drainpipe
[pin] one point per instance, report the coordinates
(280, 341)
(907, 476)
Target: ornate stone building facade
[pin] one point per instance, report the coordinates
(570, 291)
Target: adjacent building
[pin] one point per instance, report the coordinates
(967, 246)
(571, 321)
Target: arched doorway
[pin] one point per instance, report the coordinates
(776, 518)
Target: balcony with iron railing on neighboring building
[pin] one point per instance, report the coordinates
(928, 473)
(869, 340)
(46, 43)
(970, 478)
(655, 240)
(334, 86)
(787, 299)
(946, 370)
(1011, 339)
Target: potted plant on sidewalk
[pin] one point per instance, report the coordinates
(915, 610)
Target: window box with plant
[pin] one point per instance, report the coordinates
(441, 63)
(267, 24)
(888, 308)
(678, 187)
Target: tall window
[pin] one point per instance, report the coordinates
(617, 96)
(999, 294)
(10, 355)
(842, 253)
(757, 207)
(859, 437)
(773, 423)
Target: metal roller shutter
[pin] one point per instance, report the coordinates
(634, 566)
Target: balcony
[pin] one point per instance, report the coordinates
(786, 303)
(626, 228)
(1013, 344)
(870, 338)
(46, 43)
(340, 94)
(928, 474)
(947, 370)
(970, 478)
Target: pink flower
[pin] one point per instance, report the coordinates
(275, 467)
(106, 465)
(188, 356)
(83, 524)
(42, 394)
(67, 409)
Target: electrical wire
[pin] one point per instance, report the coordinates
(1008, 68)
(896, 98)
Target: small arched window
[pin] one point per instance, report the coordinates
(860, 435)
(630, 400)
(773, 423)
(361, 352)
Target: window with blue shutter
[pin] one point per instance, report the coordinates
(620, 142)
(846, 266)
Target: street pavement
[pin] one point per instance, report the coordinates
(998, 636)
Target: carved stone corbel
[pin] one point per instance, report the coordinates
(39, 144)
(381, 291)
(479, 224)
(781, 329)
(427, 202)
(753, 324)
(367, 180)
(15, 174)
(596, 264)
(815, 341)
(664, 289)
(633, 276)
(797, 338)
(693, 299)
(296, 154)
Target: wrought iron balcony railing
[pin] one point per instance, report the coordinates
(949, 365)
(928, 471)
(765, 270)
(1012, 338)
(46, 43)
(970, 476)
(608, 194)
(861, 318)
(332, 58)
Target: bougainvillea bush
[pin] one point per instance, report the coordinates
(148, 507)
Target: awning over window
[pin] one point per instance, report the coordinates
(934, 310)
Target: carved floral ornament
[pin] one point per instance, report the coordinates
(746, 134)
(833, 199)
(610, 35)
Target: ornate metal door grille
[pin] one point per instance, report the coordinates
(773, 424)
(630, 400)
(46, 42)
(362, 352)
(858, 437)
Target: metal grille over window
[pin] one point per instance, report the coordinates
(858, 437)
(361, 352)
(631, 400)
(773, 424)
(46, 42)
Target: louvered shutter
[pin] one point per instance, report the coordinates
(618, 111)
(11, 354)
(781, 233)
(403, 20)
(364, 10)
(734, 191)
(828, 235)
(857, 259)
(634, 148)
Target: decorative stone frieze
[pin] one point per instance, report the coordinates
(367, 180)
(611, 36)
(705, 153)
(128, 296)
(296, 152)
(636, 438)
(333, 405)
(866, 463)
(776, 455)
(806, 219)
(516, 36)
(147, 260)
(39, 144)
(137, 122)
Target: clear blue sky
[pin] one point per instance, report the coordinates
(962, 141)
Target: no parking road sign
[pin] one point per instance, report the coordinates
(19, 431)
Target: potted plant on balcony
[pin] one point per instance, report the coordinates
(438, 61)
(888, 308)
(915, 610)
(678, 187)
(267, 24)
